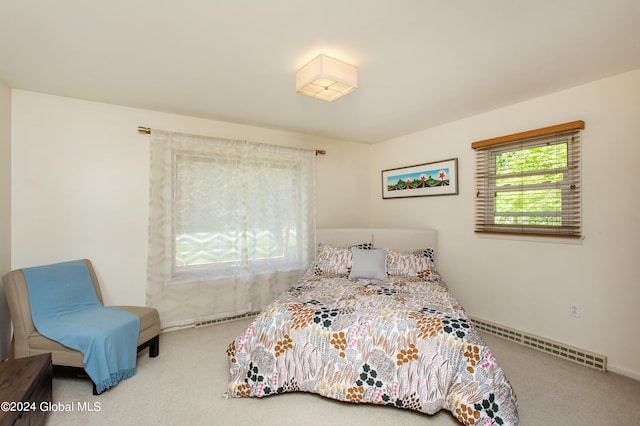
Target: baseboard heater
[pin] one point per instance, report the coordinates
(571, 353)
(226, 319)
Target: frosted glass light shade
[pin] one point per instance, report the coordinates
(326, 78)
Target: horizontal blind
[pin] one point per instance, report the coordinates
(530, 183)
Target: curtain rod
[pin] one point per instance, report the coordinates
(147, 131)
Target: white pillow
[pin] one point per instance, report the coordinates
(369, 264)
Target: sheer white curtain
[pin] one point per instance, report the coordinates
(231, 225)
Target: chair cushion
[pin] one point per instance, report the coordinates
(61, 355)
(149, 321)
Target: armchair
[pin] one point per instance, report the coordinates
(28, 342)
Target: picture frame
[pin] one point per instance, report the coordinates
(421, 180)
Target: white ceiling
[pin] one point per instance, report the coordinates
(421, 62)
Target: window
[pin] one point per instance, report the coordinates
(529, 183)
(231, 225)
(216, 207)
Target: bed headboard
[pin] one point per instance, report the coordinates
(405, 239)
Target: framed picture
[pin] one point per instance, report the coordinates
(421, 180)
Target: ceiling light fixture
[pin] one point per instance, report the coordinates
(326, 78)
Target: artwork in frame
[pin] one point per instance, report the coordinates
(421, 180)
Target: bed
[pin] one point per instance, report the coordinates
(372, 321)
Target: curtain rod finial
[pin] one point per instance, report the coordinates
(144, 130)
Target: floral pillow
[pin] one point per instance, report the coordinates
(335, 260)
(418, 263)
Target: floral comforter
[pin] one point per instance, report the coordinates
(402, 342)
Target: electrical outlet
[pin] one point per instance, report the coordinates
(574, 310)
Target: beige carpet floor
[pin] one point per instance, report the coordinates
(186, 382)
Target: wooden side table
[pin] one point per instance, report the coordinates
(25, 383)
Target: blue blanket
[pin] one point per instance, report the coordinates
(65, 308)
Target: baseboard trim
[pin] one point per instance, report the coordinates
(561, 350)
(623, 372)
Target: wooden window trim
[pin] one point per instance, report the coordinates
(545, 131)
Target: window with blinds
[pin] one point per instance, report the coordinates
(529, 183)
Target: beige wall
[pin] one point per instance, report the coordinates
(5, 178)
(5, 212)
(80, 189)
(529, 284)
(80, 183)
